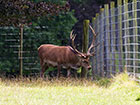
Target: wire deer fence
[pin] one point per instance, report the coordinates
(10, 53)
(10, 50)
(118, 32)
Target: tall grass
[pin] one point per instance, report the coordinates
(120, 90)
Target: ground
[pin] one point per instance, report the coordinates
(117, 91)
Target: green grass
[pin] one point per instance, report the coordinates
(117, 91)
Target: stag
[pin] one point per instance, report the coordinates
(64, 56)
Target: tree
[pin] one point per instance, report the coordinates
(16, 12)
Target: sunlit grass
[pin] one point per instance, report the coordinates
(117, 91)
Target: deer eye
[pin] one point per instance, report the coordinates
(84, 57)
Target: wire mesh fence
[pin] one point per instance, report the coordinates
(118, 32)
(33, 37)
(10, 49)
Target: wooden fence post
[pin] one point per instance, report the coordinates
(85, 44)
(102, 64)
(107, 39)
(113, 37)
(94, 57)
(120, 41)
(21, 50)
(127, 35)
(96, 41)
(135, 37)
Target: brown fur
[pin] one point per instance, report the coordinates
(52, 55)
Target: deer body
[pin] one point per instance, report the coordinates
(63, 56)
(59, 56)
(53, 55)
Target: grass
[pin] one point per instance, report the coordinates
(117, 91)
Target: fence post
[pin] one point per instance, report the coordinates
(107, 39)
(113, 37)
(127, 35)
(96, 41)
(94, 57)
(102, 41)
(85, 44)
(21, 50)
(120, 41)
(135, 37)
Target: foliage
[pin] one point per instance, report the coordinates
(60, 2)
(58, 28)
(15, 12)
(29, 91)
(80, 1)
(85, 2)
(7, 55)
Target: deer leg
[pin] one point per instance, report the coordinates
(68, 73)
(58, 71)
(75, 74)
(44, 67)
(42, 72)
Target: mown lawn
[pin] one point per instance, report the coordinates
(121, 91)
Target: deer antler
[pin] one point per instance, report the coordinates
(72, 37)
(92, 44)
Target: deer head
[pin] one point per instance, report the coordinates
(84, 57)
